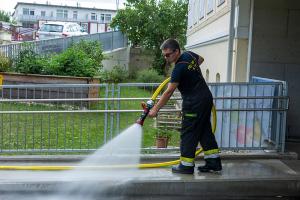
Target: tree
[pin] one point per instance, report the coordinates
(148, 23)
(4, 16)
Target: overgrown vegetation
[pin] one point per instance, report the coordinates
(5, 17)
(82, 59)
(5, 63)
(148, 23)
(117, 75)
(149, 76)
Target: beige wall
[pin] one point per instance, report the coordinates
(240, 56)
(209, 38)
(215, 60)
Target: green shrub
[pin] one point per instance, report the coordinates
(5, 63)
(28, 61)
(116, 75)
(149, 76)
(72, 62)
(92, 49)
(83, 59)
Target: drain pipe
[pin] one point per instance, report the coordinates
(250, 40)
(230, 41)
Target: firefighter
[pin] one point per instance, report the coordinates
(196, 109)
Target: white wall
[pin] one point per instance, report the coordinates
(83, 14)
(208, 35)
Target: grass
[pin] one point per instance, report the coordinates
(71, 130)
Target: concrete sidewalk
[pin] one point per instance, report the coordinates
(240, 179)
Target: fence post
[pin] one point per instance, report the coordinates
(112, 40)
(10, 51)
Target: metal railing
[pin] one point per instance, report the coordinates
(63, 118)
(109, 40)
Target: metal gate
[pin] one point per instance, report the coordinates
(67, 118)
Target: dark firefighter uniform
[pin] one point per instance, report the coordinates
(196, 109)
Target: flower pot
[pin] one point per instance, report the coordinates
(162, 142)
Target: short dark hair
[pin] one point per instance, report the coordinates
(170, 44)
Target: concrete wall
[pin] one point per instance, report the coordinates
(131, 59)
(276, 50)
(118, 57)
(140, 59)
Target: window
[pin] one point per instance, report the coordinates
(27, 11)
(65, 14)
(102, 18)
(93, 16)
(43, 13)
(202, 9)
(218, 78)
(31, 12)
(62, 13)
(220, 2)
(207, 75)
(196, 12)
(107, 18)
(51, 14)
(210, 6)
(59, 13)
(75, 14)
(52, 28)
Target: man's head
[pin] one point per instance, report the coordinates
(171, 50)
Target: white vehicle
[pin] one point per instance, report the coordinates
(52, 30)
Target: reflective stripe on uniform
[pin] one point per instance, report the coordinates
(212, 156)
(212, 151)
(190, 114)
(187, 160)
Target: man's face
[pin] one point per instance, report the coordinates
(170, 55)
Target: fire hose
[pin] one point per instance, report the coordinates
(146, 109)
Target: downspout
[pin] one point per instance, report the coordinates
(250, 40)
(230, 40)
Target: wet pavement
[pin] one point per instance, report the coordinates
(239, 179)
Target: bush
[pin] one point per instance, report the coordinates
(92, 49)
(72, 62)
(5, 63)
(149, 76)
(83, 59)
(28, 61)
(116, 75)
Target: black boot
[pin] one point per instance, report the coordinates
(182, 169)
(211, 165)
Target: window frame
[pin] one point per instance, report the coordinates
(75, 14)
(210, 4)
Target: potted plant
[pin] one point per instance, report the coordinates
(162, 137)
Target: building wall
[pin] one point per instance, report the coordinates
(276, 50)
(207, 35)
(119, 57)
(83, 14)
(131, 59)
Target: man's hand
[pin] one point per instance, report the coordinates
(153, 112)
